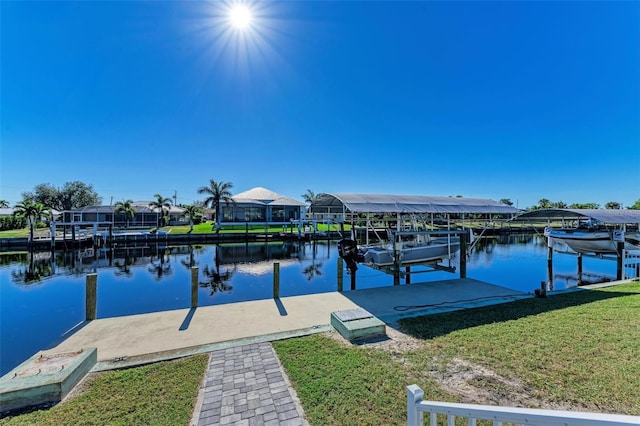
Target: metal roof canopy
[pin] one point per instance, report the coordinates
(386, 203)
(603, 215)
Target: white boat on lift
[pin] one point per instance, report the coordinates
(590, 238)
(411, 250)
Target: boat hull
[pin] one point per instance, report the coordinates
(598, 242)
(411, 254)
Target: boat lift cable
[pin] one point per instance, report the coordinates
(450, 304)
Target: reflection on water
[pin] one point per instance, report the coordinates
(216, 278)
(140, 279)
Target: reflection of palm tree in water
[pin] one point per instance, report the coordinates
(35, 271)
(160, 267)
(214, 278)
(313, 270)
(190, 260)
(124, 266)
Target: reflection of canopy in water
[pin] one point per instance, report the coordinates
(406, 204)
(617, 216)
(264, 267)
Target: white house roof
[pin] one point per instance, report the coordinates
(387, 203)
(257, 193)
(264, 196)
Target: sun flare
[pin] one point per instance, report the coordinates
(240, 17)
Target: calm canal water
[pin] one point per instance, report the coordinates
(43, 297)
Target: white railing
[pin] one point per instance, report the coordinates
(523, 416)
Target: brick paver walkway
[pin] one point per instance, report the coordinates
(246, 385)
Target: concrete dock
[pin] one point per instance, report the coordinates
(245, 384)
(136, 339)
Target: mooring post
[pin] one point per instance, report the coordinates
(619, 266)
(579, 268)
(194, 286)
(276, 280)
(407, 276)
(353, 276)
(340, 273)
(463, 255)
(397, 247)
(91, 296)
(550, 264)
(52, 229)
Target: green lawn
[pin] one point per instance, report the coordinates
(160, 394)
(15, 233)
(579, 349)
(201, 228)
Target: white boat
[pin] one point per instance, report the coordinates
(418, 250)
(589, 239)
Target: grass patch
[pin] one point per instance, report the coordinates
(341, 385)
(162, 393)
(210, 228)
(580, 348)
(577, 350)
(15, 233)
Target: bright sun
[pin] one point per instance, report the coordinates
(240, 17)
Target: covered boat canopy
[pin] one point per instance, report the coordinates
(405, 204)
(603, 215)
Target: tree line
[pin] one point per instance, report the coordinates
(37, 204)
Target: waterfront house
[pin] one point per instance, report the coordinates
(144, 217)
(260, 205)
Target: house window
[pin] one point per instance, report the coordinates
(254, 214)
(228, 215)
(277, 214)
(292, 213)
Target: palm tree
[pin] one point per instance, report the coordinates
(4, 204)
(309, 197)
(191, 212)
(127, 208)
(162, 203)
(33, 212)
(217, 192)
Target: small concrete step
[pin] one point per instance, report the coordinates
(44, 379)
(357, 324)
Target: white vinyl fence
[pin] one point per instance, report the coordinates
(416, 407)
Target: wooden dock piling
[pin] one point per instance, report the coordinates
(276, 280)
(194, 286)
(91, 296)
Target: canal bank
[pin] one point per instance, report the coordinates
(134, 339)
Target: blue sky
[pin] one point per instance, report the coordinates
(519, 100)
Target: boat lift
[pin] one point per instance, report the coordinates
(398, 216)
(622, 219)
